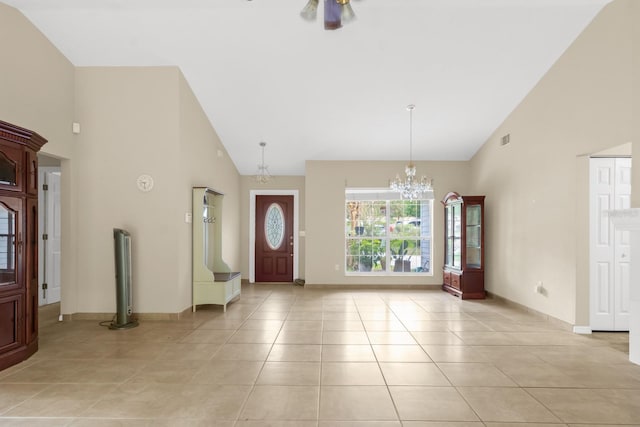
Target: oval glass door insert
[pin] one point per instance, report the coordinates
(274, 226)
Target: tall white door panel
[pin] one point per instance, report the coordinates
(610, 189)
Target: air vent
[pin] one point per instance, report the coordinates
(505, 139)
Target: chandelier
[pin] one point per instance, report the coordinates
(263, 176)
(411, 188)
(336, 13)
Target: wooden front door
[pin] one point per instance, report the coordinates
(274, 239)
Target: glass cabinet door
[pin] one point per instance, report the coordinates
(457, 234)
(474, 237)
(10, 176)
(8, 245)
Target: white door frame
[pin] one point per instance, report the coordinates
(43, 215)
(252, 228)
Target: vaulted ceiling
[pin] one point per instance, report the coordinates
(262, 73)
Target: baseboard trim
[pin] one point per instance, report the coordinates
(583, 330)
(369, 286)
(543, 316)
(104, 317)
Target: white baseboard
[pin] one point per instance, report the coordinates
(585, 330)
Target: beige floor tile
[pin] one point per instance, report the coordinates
(253, 337)
(426, 325)
(475, 374)
(400, 353)
(438, 338)
(208, 336)
(382, 325)
(227, 372)
(271, 311)
(360, 403)
(359, 424)
(508, 355)
(486, 338)
(351, 373)
(282, 403)
(559, 338)
(299, 337)
(209, 402)
(36, 422)
(231, 351)
(431, 403)
(167, 371)
(379, 315)
(466, 325)
(295, 353)
(527, 425)
(261, 324)
(302, 325)
(540, 375)
(290, 373)
(61, 400)
(202, 370)
(274, 423)
(76, 371)
(344, 337)
(15, 394)
(391, 337)
(400, 373)
(301, 315)
(347, 353)
(454, 353)
(189, 351)
(342, 325)
(341, 315)
(133, 401)
(506, 404)
(443, 424)
(604, 406)
(222, 323)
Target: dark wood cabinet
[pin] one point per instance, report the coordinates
(463, 272)
(18, 243)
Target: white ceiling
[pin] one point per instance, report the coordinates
(262, 73)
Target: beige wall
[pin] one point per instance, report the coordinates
(537, 186)
(37, 88)
(134, 121)
(36, 83)
(325, 185)
(248, 184)
(204, 163)
(129, 119)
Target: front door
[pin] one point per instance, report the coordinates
(274, 239)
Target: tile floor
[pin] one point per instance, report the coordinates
(289, 356)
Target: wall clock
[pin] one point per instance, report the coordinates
(145, 182)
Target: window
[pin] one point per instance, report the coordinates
(386, 235)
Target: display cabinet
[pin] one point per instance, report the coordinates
(463, 272)
(18, 243)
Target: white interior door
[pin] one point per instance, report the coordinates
(610, 188)
(49, 223)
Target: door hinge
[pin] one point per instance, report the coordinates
(45, 237)
(45, 187)
(45, 286)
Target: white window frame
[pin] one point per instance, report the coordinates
(376, 194)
